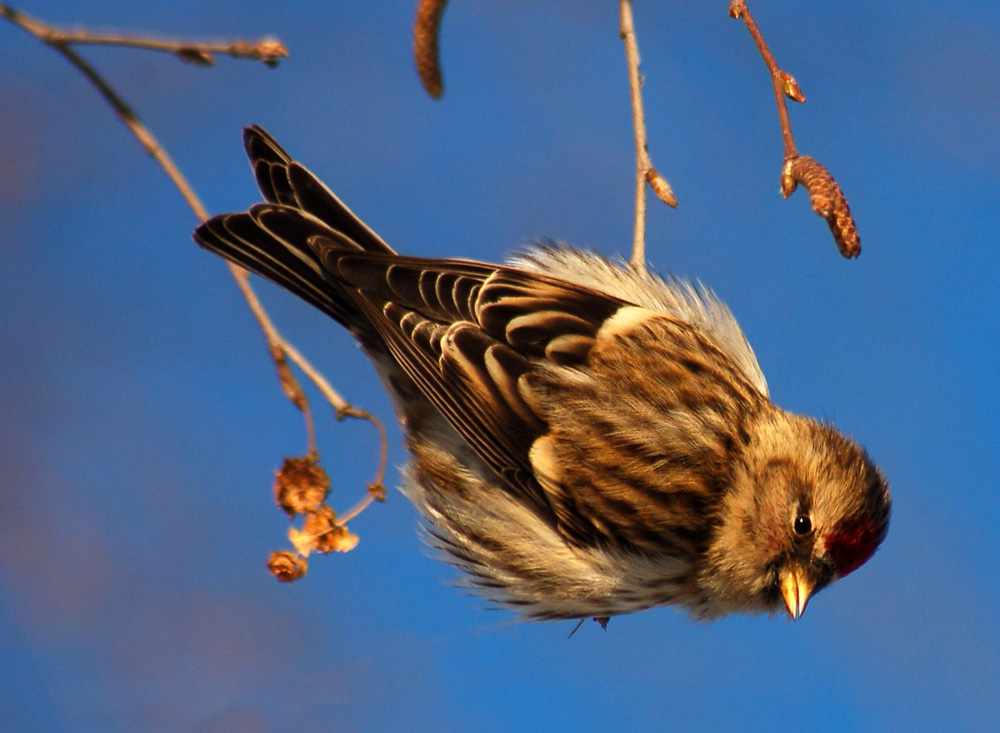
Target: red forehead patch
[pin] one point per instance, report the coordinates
(852, 542)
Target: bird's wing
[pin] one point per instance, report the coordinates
(466, 333)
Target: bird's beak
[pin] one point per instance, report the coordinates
(795, 589)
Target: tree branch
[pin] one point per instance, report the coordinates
(827, 199)
(645, 172)
(281, 350)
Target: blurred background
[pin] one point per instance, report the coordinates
(141, 421)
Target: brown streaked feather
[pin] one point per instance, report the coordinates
(569, 349)
(643, 437)
(418, 284)
(471, 371)
(447, 362)
(509, 322)
(529, 310)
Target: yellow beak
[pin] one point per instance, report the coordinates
(795, 589)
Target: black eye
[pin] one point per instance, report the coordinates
(802, 524)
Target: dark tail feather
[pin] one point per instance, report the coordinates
(279, 240)
(290, 263)
(283, 181)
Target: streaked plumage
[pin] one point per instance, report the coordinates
(587, 439)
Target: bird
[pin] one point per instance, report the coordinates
(586, 438)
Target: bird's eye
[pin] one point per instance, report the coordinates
(802, 524)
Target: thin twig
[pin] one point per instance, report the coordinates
(827, 198)
(267, 50)
(372, 495)
(646, 173)
(739, 9)
(278, 347)
(149, 142)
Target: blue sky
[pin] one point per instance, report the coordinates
(140, 420)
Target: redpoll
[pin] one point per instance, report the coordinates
(587, 439)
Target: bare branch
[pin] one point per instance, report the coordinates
(267, 50)
(827, 198)
(739, 9)
(284, 565)
(645, 171)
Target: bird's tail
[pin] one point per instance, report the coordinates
(279, 239)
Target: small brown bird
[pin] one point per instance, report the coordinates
(587, 439)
